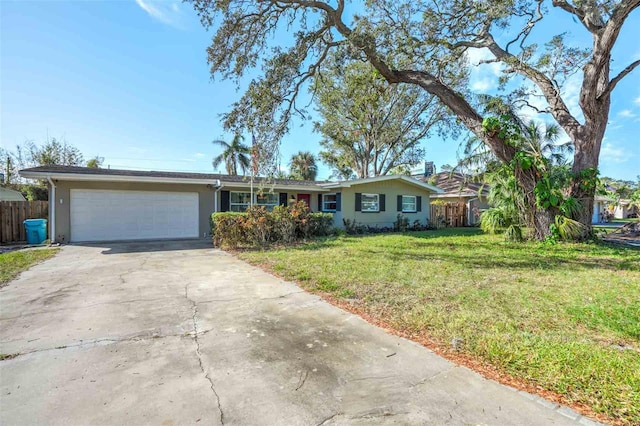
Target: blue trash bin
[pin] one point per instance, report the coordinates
(36, 230)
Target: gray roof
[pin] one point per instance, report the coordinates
(7, 194)
(159, 174)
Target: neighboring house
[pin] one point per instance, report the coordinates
(7, 194)
(89, 204)
(606, 208)
(458, 188)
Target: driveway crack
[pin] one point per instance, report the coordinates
(428, 379)
(328, 419)
(302, 379)
(194, 317)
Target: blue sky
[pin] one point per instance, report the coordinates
(128, 80)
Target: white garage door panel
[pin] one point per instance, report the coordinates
(105, 215)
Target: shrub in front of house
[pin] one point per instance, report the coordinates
(258, 227)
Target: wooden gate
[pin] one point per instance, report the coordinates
(14, 213)
(448, 214)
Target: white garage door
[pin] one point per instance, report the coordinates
(104, 215)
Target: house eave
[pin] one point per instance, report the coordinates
(406, 179)
(115, 178)
(270, 185)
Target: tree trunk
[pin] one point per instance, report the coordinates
(587, 142)
(538, 220)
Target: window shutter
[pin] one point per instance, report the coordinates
(399, 205)
(382, 202)
(283, 199)
(320, 208)
(358, 202)
(339, 201)
(224, 201)
(419, 203)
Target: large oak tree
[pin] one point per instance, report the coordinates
(417, 42)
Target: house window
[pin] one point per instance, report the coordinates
(268, 200)
(329, 202)
(409, 204)
(239, 201)
(370, 203)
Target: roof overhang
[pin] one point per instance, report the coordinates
(114, 178)
(406, 179)
(273, 185)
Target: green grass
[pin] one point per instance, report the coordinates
(14, 262)
(565, 317)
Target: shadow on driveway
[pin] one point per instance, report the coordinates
(123, 247)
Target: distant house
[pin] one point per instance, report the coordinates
(459, 188)
(113, 205)
(7, 194)
(606, 208)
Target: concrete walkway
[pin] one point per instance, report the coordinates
(180, 333)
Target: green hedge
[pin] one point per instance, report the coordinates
(260, 228)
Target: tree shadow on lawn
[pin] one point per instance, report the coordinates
(324, 242)
(427, 247)
(533, 262)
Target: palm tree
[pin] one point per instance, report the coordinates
(303, 166)
(234, 154)
(543, 142)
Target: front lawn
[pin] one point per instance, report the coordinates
(14, 262)
(562, 318)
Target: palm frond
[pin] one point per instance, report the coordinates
(568, 229)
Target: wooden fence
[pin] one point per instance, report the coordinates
(449, 214)
(14, 213)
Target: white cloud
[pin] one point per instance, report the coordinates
(483, 76)
(482, 85)
(627, 113)
(167, 12)
(199, 155)
(612, 154)
(571, 95)
(637, 100)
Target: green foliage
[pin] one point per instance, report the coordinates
(502, 219)
(234, 155)
(259, 227)
(567, 229)
(369, 127)
(35, 192)
(401, 224)
(428, 45)
(95, 162)
(539, 158)
(55, 152)
(503, 127)
(14, 262)
(303, 166)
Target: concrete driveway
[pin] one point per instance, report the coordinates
(181, 333)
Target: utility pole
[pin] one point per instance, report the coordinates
(8, 171)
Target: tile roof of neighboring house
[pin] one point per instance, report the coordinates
(72, 170)
(458, 184)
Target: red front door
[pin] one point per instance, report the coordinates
(306, 198)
